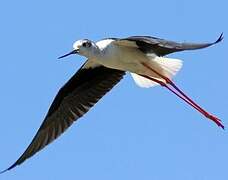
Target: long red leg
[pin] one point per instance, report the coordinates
(185, 97)
(169, 81)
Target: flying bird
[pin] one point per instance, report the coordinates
(107, 62)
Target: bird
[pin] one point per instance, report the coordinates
(108, 60)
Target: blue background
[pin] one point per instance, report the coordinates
(132, 133)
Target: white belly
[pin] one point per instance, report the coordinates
(124, 58)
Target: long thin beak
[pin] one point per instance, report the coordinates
(72, 52)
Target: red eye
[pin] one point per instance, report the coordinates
(86, 44)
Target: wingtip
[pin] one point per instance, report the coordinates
(4, 171)
(9, 168)
(221, 37)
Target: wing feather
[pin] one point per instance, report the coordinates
(161, 47)
(72, 101)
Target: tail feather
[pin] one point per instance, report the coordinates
(169, 67)
(166, 66)
(142, 81)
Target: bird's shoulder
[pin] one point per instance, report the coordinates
(104, 43)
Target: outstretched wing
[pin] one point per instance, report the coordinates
(159, 46)
(74, 99)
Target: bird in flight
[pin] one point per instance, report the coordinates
(107, 62)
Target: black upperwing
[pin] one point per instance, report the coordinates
(161, 47)
(73, 100)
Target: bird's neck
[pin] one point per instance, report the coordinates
(94, 53)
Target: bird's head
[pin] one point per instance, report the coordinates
(83, 47)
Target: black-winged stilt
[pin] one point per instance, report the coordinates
(107, 62)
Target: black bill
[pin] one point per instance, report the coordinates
(72, 52)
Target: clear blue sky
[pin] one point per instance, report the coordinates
(132, 133)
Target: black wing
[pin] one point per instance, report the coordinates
(161, 47)
(73, 100)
